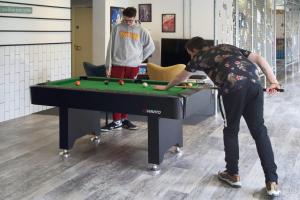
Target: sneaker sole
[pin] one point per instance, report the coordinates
(272, 194)
(136, 128)
(114, 129)
(234, 185)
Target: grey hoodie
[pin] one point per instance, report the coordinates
(128, 46)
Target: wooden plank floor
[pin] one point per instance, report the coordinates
(30, 167)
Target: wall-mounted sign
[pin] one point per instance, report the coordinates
(14, 9)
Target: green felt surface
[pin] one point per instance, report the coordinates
(113, 85)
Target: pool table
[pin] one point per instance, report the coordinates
(79, 105)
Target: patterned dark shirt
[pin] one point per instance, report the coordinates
(226, 65)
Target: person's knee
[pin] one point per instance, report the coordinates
(258, 131)
(231, 131)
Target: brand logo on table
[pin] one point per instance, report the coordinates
(151, 111)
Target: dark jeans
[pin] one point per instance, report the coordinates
(247, 102)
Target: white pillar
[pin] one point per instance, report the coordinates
(101, 30)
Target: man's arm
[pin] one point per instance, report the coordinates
(108, 60)
(182, 76)
(266, 69)
(148, 47)
(264, 66)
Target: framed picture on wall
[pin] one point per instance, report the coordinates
(168, 23)
(145, 13)
(116, 15)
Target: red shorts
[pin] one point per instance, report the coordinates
(124, 72)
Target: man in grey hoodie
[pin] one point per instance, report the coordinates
(129, 45)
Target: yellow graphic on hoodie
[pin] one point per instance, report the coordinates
(133, 36)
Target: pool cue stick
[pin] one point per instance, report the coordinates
(278, 89)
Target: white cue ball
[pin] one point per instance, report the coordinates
(145, 84)
(190, 84)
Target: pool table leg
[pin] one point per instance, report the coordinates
(75, 123)
(163, 133)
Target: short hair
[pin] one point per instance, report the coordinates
(196, 43)
(129, 12)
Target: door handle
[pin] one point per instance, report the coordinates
(77, 47)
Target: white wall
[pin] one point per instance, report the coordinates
(32, 51)
(202, 19)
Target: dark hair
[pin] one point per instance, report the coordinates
(196, 43)
(129, 12)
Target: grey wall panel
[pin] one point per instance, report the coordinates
(9, 38)
(40, 12)
(34, 24)
(58, 3)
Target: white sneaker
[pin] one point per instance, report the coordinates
(272, 189)
(112, 126)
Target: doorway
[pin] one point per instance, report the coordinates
(82, 16)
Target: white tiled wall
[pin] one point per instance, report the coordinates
(22, 66)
